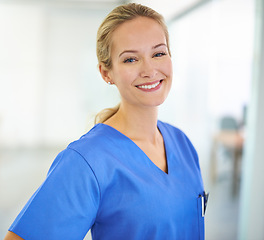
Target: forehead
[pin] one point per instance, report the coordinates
(136, 33)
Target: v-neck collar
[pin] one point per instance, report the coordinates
(154, 166)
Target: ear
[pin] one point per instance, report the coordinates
(105, 73)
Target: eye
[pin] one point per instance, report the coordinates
(129, 60)
(160, 54)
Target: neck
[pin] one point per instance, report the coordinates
(138, 124)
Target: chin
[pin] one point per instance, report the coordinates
(155, 104)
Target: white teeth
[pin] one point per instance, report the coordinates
(149, 86)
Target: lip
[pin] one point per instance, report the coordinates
(148, 83)
(158, 82)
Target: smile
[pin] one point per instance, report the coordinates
(150, 86)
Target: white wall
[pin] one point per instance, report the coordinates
(20, 72)
(50, 85)
(168, 8)
(251, 225)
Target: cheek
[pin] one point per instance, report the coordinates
(167, 68)
(169, 65)
(122, 79)
(127, 75)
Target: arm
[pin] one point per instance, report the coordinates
(12, 236)
(65, 205)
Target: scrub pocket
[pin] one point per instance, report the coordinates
(200, 217)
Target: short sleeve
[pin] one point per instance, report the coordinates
(65, 205)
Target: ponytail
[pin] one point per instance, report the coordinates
(105, 114)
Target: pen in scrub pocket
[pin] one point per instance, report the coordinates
(204, 200)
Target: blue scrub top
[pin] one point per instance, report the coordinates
(105, 182)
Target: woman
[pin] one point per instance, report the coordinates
(131, 176)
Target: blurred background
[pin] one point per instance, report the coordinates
(50, 91)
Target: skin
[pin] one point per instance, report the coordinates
(12, 236)
(140, 57)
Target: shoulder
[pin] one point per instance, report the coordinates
(100, 147)
(177, 138)
(90, 142)
(83, 152)
(170, 129)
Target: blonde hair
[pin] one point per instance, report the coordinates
(105, 114)
(114, 19)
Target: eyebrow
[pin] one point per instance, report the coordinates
(159, 45)
(134, 51)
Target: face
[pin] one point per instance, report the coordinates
(141, 65)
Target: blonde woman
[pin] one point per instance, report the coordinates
(131, 176)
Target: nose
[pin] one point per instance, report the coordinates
(148, 69)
